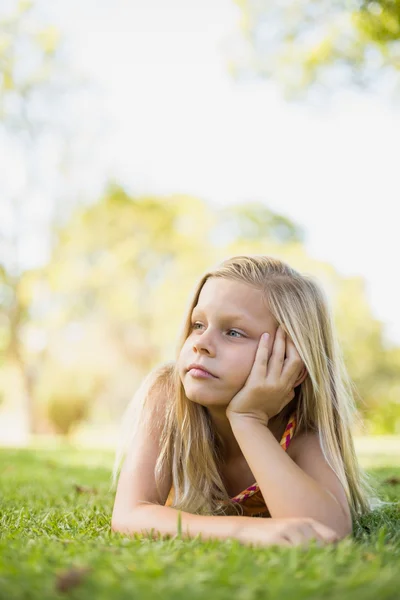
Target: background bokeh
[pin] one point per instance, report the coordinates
(142, 143)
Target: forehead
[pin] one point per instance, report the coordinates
(228, 296)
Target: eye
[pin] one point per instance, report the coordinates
(234, 331)
(195, 328)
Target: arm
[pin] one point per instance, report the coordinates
(164, 520)
(301, 487)
(247, 530)
(139, 504)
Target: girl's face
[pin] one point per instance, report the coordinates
(227, 323)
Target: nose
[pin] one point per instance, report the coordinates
(203, 344)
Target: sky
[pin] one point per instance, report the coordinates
(176, 122)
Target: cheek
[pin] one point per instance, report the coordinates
(240, 369)
(181, 363)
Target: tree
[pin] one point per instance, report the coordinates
(111, 299)
(33, 81)
(255, 221)
(306, 45)
(373, 364)
(120, 276)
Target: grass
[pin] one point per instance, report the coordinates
(55, 542)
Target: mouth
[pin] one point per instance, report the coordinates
(196, 370)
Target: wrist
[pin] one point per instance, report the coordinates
(244, 418)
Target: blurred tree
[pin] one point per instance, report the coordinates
(112, 298)
(104, 286)
(254, 220)
(66, 410)
(115, 291)
(22, 80)
(33, 79)
(120, 277)
(373, 364)
(307, 44)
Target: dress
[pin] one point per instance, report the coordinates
(251, 498)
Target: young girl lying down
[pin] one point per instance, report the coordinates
(252, 419)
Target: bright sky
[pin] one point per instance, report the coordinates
(180, 124)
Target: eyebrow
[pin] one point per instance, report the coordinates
(226, 317)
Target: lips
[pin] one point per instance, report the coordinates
(197, 366)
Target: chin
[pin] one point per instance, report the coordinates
(197, 395)
(205, 398)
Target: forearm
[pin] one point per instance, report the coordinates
(287, 490)
(164, 520)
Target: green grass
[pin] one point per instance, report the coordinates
(55, 512)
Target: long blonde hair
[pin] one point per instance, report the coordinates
(191, 449)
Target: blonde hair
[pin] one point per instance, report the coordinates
(324, 403)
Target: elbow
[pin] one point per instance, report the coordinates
(346, 529)
(116, 525)
(125, 521)
(343, 527)
(342, 523)
(122, 527)
(119, 523)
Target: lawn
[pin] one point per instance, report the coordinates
(55, 542)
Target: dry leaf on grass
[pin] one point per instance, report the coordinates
(71, 578)
(392, 480)
(81, 489)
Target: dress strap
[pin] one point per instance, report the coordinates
(289, 432)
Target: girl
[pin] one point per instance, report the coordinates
(253, 419)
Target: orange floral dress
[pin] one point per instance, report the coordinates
(251, 498)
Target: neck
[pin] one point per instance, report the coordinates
(229, 448)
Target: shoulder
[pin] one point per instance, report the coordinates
(162, 370)
(304, 442)
(161, 377)
(154, 394)
(161, 380)
(305, 448)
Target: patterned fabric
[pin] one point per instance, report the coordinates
(251, 498)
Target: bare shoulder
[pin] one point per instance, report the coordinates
(305, 450)
(160, 385)
(305, 442)
(151, 400)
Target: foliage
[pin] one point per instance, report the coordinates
(66, 410)
(373, 364)
(34, 116)
(24, 82)
(254, 221)
(56, 513)
(66, 395)
(309, 44)
(109, 304)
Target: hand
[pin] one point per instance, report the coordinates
(284, 532)
(270, 385)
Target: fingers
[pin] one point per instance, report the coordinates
(305, 533)
(272, 362)
(293, 367)
(288, 532)
(262, 356)
(326, 533)
(277, 358)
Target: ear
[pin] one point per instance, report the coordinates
(301, 377)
